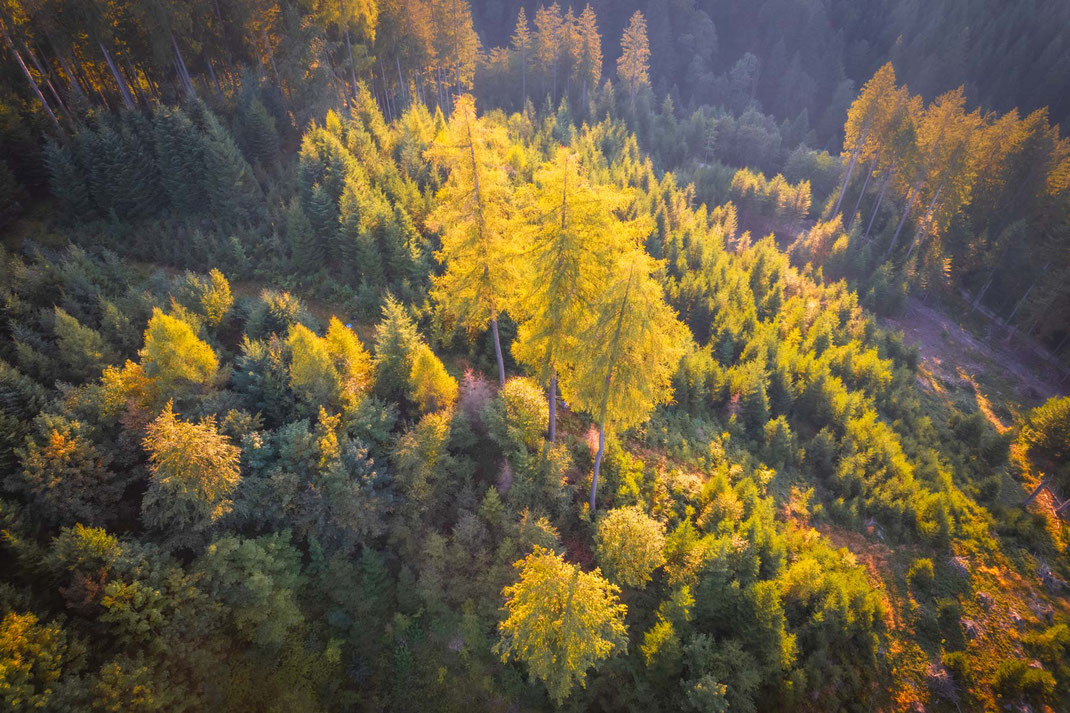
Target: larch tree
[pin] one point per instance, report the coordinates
(481, 275)
(634, 345)
(572, 238)
(862, 117)
(630, 546)
(561, 621)
(589, 61)
(633, 65)
(521, 45)
(548, 22)
(194, 473)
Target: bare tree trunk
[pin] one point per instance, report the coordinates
(880, 199)
(851, 167)
(906, 212)
(182, 69)
(498, 351)
(135, 82)
(29, 77)
(921, 224)
(1036, 491)
(552, 398)
(124, 90)
(861, 193)
(47, 74)
(1021, 300)
(598, 461)
(215, 81)
(401, 82)
(982, 293)
(271, 57)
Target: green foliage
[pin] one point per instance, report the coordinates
(194, 471)
(561, 621)
(629, 546)
(920, 576)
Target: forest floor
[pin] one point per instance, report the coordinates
(1003, 378)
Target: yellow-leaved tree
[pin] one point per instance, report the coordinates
(334, 370)
(633, 346)
(561, 621)
(572, 239)
(481, 276)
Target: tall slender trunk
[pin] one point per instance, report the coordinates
(1021, 300)
(401, 82)
(29, 77)
(352, 62)
(386, 91)
(215, 80)
(982, 293)
(498, 351)
(271, 57)
(906, 212)
(524, 76)
(47, 75)
(923, 221)
(598, 457)
(605, 392)
(552, 399)
(880, 199)
(124, 90)
(851, 167)
(861, 193)
(135, 82)
(182, 69)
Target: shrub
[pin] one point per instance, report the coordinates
(921, 576)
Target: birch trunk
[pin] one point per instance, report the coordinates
(552, 398)
(498, 352)
(861, 193)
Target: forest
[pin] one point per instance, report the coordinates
(436, 355)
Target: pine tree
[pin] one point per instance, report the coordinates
(396, 340)
(67, 182)
(179, 155)
(634, 347)
(12, 195)
(589, 61)
(480, 280)
(259, 137)
(633, 65)
(227, 179)
(307, 256)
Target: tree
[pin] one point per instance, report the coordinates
(629, 545)
(216, 298)
(193, 475)
(633, 65)
(560, 621)
(32, 658)
(65, 475)
(521, 45)
(81, 348)
(634, 347)
(173, 354)
(589, 61)
(334, 370)
(548, 22)
(572, 237)
(480, 280)
(396, 341)
(433, 389)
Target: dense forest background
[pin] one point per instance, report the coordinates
(436, 355)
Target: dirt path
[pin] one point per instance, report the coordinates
(1003, 377)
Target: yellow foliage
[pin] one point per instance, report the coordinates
(433, 389)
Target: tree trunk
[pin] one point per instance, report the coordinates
(353, 62)
(552, 399)
(29, 77)
(921, 224)
(861, 193)
(982, 293)
(598, 463)
(401, 82)
(1036, 491)
(851, 168)
(182, 69)
(880, 199)
(124, 90)
(906, 212)
(1021, 300)
(47, 75)
(215, 80)
(524, 77)
(498, 352)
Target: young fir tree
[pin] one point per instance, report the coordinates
(634, 345)
(633, 65)
(68, 182)
(227, 178)
(572, 239)
(481, 275)
(179, 154)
